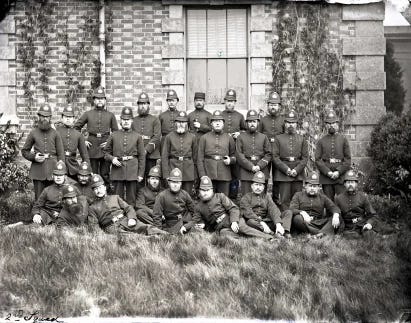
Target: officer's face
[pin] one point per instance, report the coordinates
(351, 186)
(172, 104)
(100, 191)
(274, 108)
(143, 108)
(175, 186)
(44, 122)
(82, 179)
(206, 194)
(70, 200)
(332, 127)
(181, 127)
(100, 103)
(257, 188)
(67, 120)
(229, 104)
(290, 126)
(217, 125)
(312, 189)
(199, 103)
(126, 123)
(58, 179)
(153, 181)
(252, 125)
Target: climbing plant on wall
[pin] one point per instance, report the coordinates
(307, 71)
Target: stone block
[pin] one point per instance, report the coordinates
(172, 51)
(257, 102)
(176, 64)
(8, 25)
(4, 102)
(359, 148)
(170, 25)
(371, 11)
(364, 81)
(369, 29)
(176, 39)
(257, 37)
(363, 133)
(369, 107)
(369, 63)
(7, 78)
(7, 52)
(257, 10)
(364, 46)
(257, 89)
(261, 76)
(176, 11)
(261, 50)
(258, 63)
(172, 77)
(261, 23)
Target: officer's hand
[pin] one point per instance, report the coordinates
(255, 169)
(131, 222)
(336, 220)
(236, 134)
(196, 124)
(330, 174)
(294, 173)
(88, 144)
(139, 179)
(279, 229)
(102, 145)
(37, 218)
(336, 174)
(116, 162)
(226, 160)
(289, 172)
(39, 157)
(199, 226)
(183, 230)
(305, 216)
(266, 228)
(367, 226)
(235, 227)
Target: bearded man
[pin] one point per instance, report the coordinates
(74, 209)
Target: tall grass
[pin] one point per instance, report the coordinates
(74, 273)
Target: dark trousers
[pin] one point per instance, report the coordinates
(130, 188)
(188, 186)
(145, 216)
(245, 230)
(140, 228)
(221, 187)
(276, 188)
(245, 187)
(286, 193)
(101, 167)
(150, 163)
(331, 190)
(256, 224)
(301, 226)
(39, 186)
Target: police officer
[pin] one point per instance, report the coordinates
(168, 117)
(112, 214)
(125, 151)
(216, 152)
(83, 182)
(179, 151)
(253, 152)
(199, 119)
(174, 205)
(217, 213)
(272, 125)
(149, 127)
(73, 140)
(332, 157)
(259, 210)
(307, 210)
(100, 123)
(233, 125)
(290, 156)
(74, 209)
(47, 149)
(356, 210)
(147, 196)
(48, 206)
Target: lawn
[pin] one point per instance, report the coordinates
(74, 273)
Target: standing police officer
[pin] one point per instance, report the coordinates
(199, 119)
(100, 123)
(168, 117)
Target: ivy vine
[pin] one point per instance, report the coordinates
(307, 72)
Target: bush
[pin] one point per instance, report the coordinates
(16, 206)
(389, 150)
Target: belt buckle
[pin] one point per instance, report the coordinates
(46, 156)
(98, 135)
(253, 158)
(332, 160)
(355, 220)
(272, 139)
(179, 216)
(146, 137)
(291, 159)
(67, 153)
(217, 157)
(180, 158)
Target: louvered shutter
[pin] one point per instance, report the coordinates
(236, 33)
(216, 33)
(197, 33)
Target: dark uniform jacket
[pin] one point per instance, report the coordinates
(146, 198)
(73, 140)
(252, 149)
(106, 211)
(260, 207)
(126, 144)
(332, 154)
(86, 191)
(355, 206)
(167, 121)
(202, 116)
(179, 151)
(271, 126)
(289, 151)
(234, 121)
(45, 142)
(99, 125)
(173, 206)
(217, 213)
(65, 218)
(149, 128)
(314, 206)
(212, 147)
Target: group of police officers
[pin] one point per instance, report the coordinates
(154, 167)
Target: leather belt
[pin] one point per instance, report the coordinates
(69, 154)
(333, 160)
(125, 158)
(48, 155)
(355, 220)
(253, 157)
(215, 157)
(181, 157)
(290, 158)
(99, 134)
(221, 218)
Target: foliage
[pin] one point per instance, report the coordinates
(306, 71)
(12, 175)
(395, 93)
(389, 150)
(16, 206)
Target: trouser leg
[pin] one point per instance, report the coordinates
(119, 188)
(144, 216)
(131, 192)
(95, 165)
(287, 218)
(245, 187)
(299, 224)
(251, 232)
(188, 186)
(226, 232)
(222, 187)
(39, 186)
(105, 170)
(255, 224)
(284, 189)
(329, 191)
(328, 228)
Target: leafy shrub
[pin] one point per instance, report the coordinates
(391, 155)
(16, 206)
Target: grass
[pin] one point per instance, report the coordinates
(74, 273)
